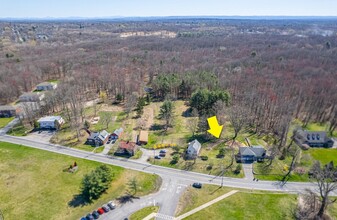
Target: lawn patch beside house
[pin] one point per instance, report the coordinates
(5, 121)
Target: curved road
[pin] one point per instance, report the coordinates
(174, 181)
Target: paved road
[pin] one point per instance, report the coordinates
(180, 175)
(174, 181)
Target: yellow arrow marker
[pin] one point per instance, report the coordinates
(215, 128)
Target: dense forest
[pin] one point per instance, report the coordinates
(262, 73)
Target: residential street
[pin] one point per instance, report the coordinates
(174, 181)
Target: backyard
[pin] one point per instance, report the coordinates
(52, 191)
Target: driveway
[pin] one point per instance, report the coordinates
(43, 136)
(248, 171)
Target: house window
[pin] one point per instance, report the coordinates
(313, 136)
(308, 137)
(317, 136)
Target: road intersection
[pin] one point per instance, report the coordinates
(174, 181)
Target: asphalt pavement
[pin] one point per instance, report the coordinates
(174, 180)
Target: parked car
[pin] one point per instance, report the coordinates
(105, 208)
(100, 211)
(162, 154)
(95, 214)
(84, 218)
(89, 217)
(197, 185)
(111, 205)
(162, 151)
(157, 157)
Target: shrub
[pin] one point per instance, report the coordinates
(237, 169)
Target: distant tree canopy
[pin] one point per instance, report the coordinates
(203, 100)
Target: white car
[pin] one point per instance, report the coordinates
(111, 205)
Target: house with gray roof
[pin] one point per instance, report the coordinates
(313, 139)
(251, 154)
(7, 111)
(46, 86)
(31, 97)
(50, 122)
(193, 149)
(98, 138)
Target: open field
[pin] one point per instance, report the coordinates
(34, 185)
(5, 121)
(141, 214)
(245, 204)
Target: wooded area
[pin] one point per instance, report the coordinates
(266, 72)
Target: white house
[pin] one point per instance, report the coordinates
(31, 97)
(48, 122)
(193, 149)
(46, 86)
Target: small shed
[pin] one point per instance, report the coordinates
(143, 137)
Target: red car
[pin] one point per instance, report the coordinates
(100, 211)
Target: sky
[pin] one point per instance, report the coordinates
(146, 8)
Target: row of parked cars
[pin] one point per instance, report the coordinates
(100, 211)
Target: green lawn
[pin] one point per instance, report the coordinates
(245, 204)
(19, 130)
(323, 155)
(141, 214)
(250, 206)
(5, 121)
(34, 186)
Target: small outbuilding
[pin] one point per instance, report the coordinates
(143, 137)
(51, 122)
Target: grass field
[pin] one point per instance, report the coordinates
(34, 186)
(245, 204)
(5, 121)
(140, 214)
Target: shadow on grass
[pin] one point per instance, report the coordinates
(157, 127)
(126, 198)
(78, 200)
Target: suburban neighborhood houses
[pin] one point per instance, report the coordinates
(180, 117)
